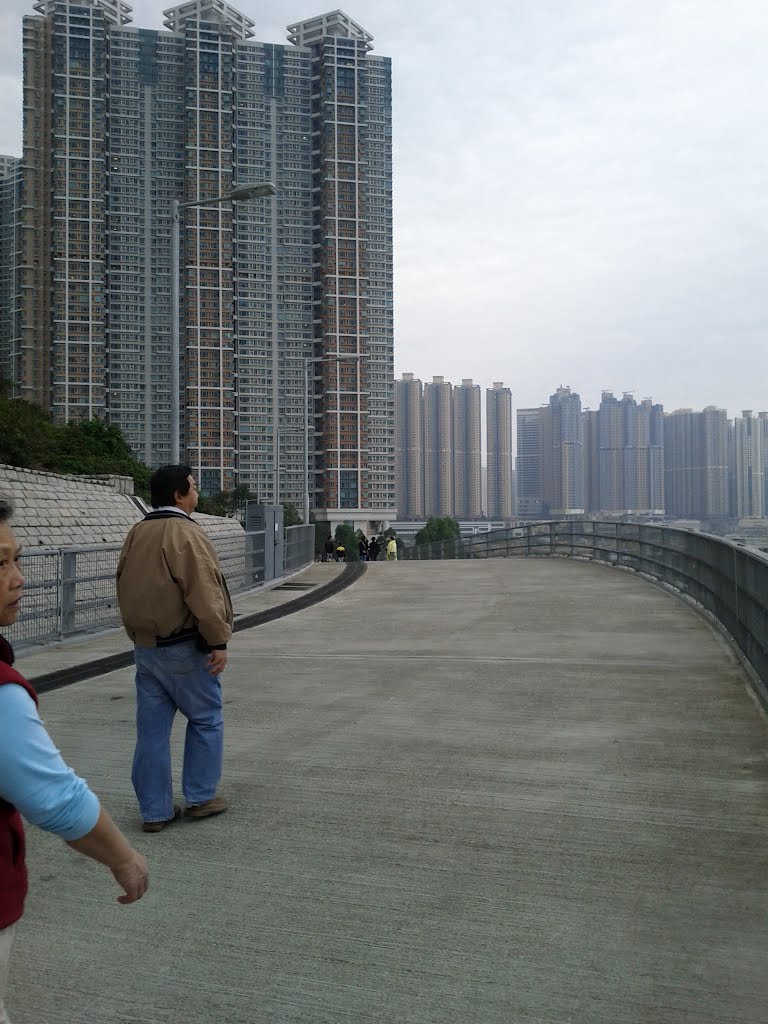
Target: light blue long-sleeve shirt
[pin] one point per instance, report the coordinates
(33, 775)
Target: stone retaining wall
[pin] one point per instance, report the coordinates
(54, 510)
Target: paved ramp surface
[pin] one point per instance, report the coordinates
(492, 792)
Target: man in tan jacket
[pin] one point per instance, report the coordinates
(176, 609)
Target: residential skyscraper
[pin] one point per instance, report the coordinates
(119, 122)
(631, 456)
(696, 463)
(563, 454)
(467, 442)
(409, 447)
(591, 420)
(352, 187)
(498, 414)
(650, 473)
(10, 262)
(439, 477)
(749, 465)
(762, 418)
(529, 464)
(610, 434)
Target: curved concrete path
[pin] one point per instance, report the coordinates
(503, 792)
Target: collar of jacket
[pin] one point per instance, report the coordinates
(161, 514)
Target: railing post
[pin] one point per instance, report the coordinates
(68, 591)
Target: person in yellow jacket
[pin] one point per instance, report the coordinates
(391, 550)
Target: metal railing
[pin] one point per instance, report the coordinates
(299, 547)
(727, 580)
(72, 590)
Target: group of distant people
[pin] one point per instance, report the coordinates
(367, 551)
(176, 609)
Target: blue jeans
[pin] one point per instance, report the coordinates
(171, 679)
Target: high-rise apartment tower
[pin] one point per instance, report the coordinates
(119, 122)
(409, 447)
(563, 454)
(498, 415)
(529, 465)
(630, 467)
(439, 477)
(696, 448)
(467, 487)
(749, 465)
(10, 263)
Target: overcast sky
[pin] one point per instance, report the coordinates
(580, 189)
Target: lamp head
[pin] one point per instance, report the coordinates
(258, 191)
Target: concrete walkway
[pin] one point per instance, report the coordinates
(503, 792)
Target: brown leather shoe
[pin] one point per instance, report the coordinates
(217, 805)
(158, 826)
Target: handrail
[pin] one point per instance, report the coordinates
(72, 590)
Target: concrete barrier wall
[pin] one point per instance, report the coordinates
(55, 511)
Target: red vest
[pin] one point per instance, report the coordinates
(13, 871)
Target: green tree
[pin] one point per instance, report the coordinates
(291, 515)
(92, 447)
(26, 435)
(213, 504)
(95, 447)
(438, 528)
(346, 534)
(226, 503)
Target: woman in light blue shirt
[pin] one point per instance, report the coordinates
(36, 783)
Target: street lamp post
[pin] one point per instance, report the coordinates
(307, 364)
(243, 193)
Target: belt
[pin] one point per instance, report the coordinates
(176, 638)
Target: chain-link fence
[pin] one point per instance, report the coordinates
(72, 590)
(729, 581)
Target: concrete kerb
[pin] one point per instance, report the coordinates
(352, 572)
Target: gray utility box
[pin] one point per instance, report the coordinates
(269, 520)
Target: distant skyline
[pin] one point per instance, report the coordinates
(579, 190)
(595, 403)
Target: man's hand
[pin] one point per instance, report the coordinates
(217, 662)
(132, 875)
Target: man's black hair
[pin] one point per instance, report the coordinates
(166, 481)
(6, 509)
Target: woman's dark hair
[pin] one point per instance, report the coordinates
(164, 483)
(6, 509)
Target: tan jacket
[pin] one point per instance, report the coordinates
(169, 581)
